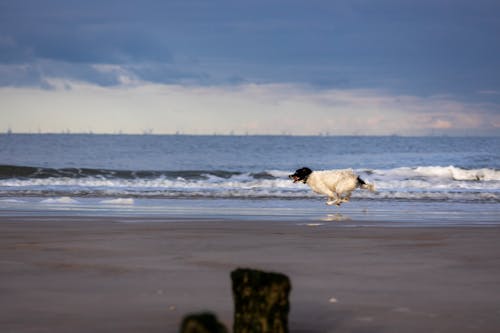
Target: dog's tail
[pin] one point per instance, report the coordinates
(365, 186)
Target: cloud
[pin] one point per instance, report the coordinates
(419, 48)
(136, 106)
(489, 92)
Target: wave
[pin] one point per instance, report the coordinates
(449, 172)
(29, 172)
(119, 201)
(404, 183)
(61, 200)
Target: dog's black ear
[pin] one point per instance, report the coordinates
(305, 171)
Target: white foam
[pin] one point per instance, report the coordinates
(119, 201)
(279, 173)
(448, 172)
(12, 201)
(61, 200)
(455, 173)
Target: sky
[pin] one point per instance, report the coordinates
(250, 67)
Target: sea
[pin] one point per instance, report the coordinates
(420, 181)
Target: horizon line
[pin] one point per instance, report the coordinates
(255, 134)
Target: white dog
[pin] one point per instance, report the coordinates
(336, 184)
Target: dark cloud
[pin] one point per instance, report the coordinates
(421, 47)
(78, 32)
(36, 74)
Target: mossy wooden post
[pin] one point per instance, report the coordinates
(260, 301)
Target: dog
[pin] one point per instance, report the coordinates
(336, 184)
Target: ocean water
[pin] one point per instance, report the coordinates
(426, 179)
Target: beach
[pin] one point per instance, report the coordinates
(143, 274)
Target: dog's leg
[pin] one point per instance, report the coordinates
(347, 197)
(341, 199)
(333, 199)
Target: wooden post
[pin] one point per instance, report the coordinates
(260, 301)
(202, 323)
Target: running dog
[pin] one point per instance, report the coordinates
(336, 184)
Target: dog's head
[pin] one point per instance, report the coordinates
(300, 175)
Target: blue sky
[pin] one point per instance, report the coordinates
(264, 67)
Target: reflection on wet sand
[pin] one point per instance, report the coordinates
(337, 217)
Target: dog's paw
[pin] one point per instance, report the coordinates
(333, 202)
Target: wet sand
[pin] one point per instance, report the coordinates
(91, 274)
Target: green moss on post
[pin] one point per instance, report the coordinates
(260, 301)
(202, 323)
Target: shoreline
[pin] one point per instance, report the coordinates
(361, 213)
(104, 274)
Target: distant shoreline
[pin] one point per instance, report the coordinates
(257, 135)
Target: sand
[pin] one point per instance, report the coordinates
(70, 274)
